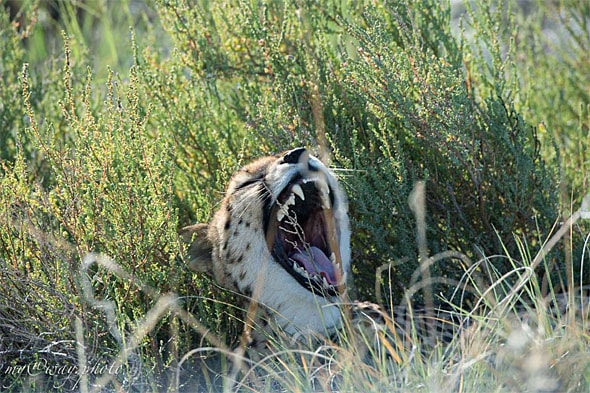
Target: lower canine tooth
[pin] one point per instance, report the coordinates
(325, 200)
(324, 194)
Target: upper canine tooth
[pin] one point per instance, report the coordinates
(297, 190)
(333, 258)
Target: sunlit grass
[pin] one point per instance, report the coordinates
(513, 339)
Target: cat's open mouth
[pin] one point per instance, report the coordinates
(302, 235)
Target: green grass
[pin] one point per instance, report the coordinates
(121, 122)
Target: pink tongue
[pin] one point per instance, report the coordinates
(315, 261)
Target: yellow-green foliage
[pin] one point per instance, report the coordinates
(112, 138)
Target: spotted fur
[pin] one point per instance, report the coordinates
(270, 239)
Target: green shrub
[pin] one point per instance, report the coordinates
(548, 49)
(385, 84)
(103, 186)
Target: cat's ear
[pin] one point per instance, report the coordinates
(200, 248)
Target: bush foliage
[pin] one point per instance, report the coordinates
(115, 160)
